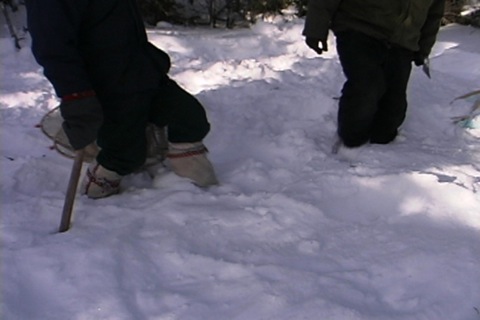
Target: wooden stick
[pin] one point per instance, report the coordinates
(71, 191)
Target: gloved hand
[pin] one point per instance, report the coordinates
(313, 43)
(418, 59)
(82, 120)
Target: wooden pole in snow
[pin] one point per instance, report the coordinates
(71, 191)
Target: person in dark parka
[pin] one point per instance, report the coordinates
(112, 83)
(376, 43)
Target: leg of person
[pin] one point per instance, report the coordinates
(122, 141)
(187, 126)
(362, 59)
(393, 105)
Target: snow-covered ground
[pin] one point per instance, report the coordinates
(292, 232)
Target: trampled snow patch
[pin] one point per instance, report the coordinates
(292, 232)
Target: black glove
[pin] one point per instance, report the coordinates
(418, 59)
(82, 120)
(313, 44)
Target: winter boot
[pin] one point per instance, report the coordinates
(100, 182)
(157, 145)
(189, 160)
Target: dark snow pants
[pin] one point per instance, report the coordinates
(373, 103)
(122, 137)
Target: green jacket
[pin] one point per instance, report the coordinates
(411, 24)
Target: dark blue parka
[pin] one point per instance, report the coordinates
(96, 45)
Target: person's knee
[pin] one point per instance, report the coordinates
(191, 124)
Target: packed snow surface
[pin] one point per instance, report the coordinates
(292, 232)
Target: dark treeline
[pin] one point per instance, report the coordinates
(227, 13)
(231, 13)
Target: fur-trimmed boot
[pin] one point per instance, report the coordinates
(100, 182)
(189, 160)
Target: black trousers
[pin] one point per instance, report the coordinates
(122, 136)
(373, 103)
